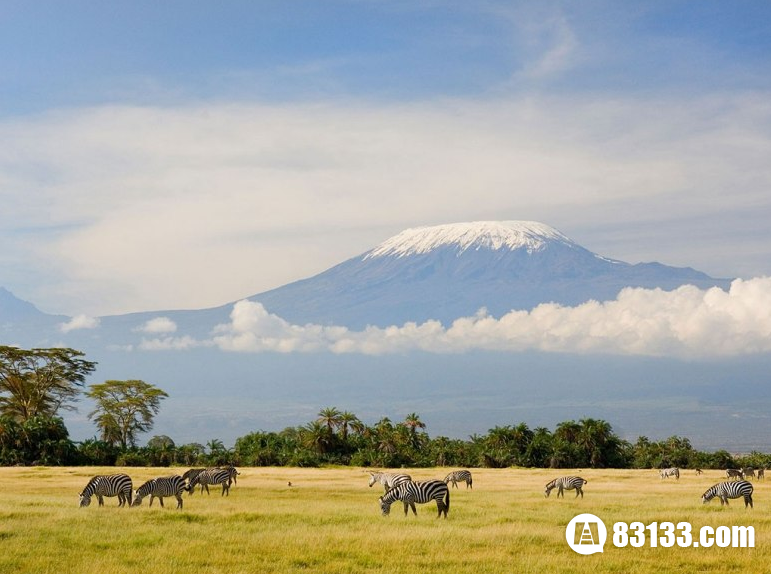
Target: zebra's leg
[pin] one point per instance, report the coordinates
(152, 496)
(160, 499)
(560, 492)
(414, 510)
(100, 498)
(121, 499)
(580, 491)
(406, 508)
(179, 499)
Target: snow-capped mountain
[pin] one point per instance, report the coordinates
(448, 271)
(441, 272)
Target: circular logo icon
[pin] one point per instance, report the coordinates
(586, 534)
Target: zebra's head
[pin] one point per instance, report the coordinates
(85, 499)
(385, 507)
(548, 488)
(373, 478)
(709, 495)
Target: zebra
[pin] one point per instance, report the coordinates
(421, 492)
(388, 480)
(233, 472)
(730, 489)
(735, 473)
(209, 476)
(189, 475)
(761, 474)
(160, 488)
(459, 476)
(667, 472)
(566, 483)
(111, 485)
(748, 472)
(699, 471)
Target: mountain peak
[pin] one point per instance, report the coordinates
(495, 235)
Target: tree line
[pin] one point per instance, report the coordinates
(36, 384)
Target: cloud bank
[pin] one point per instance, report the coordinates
(686, 323)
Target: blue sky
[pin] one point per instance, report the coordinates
(186, 154)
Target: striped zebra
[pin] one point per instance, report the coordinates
(233, 472)
(389, 480)
(417, 492)
(110, 485)
(160, 488)
(212, 476)
(189, 475)
(667, 472)
(566, 483)
(735, 473)
(730, 489)
(761, 474)
(748, 472)
(459, 476)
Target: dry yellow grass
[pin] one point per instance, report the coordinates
(329, 521)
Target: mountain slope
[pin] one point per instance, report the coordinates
(449, 271)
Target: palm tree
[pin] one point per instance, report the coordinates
(330, 417)
(412, 421)
(348, 420)
(317, 436)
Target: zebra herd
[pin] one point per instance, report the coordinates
(730, 489)
(399, 486)
(120, 485)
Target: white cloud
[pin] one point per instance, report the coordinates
(158, 325)
(79, 322)
(687, 322)
(171, 344)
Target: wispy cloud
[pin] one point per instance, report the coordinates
(687, 323)
(158, 325)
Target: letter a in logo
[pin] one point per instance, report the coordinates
(587, 543)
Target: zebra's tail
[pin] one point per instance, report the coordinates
(447, 502)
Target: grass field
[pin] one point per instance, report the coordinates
(329, 521)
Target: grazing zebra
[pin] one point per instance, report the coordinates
(761, 474)
(667, 472)
(699, 471)
(417, 492)
(111, 485)
(730, 489)
(735, 473)
(748, 472)
(189, 475)
(233, 472)
(160, 488)
(389, 480)
(459, 476)
(566, 483)
(209, 476)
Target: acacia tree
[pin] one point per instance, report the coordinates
(124, 409)
(40, 382)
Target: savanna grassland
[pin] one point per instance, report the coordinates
(329, 521)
